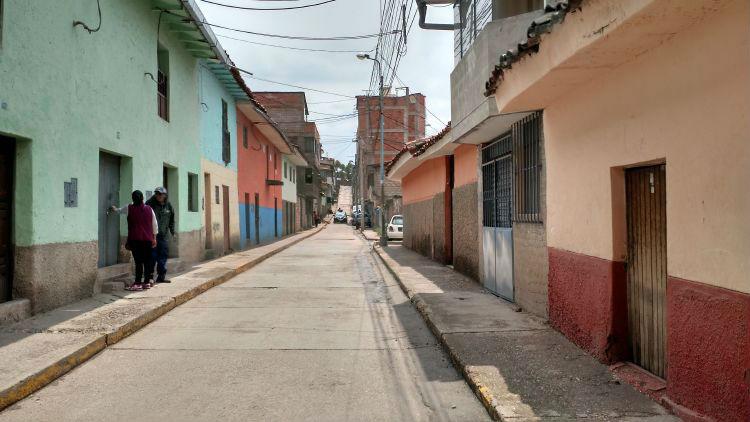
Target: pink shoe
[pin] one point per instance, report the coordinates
(135, 287)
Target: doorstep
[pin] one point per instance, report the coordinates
(39, 349)
(518, 366)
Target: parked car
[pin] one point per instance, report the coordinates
(396, 227)
(339, 216)
(356, 219)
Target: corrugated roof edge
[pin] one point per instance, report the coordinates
(554, 15)
(418, 147)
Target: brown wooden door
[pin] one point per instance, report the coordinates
(207, 203)
(225, 200)
(7, 155)
(647, 266)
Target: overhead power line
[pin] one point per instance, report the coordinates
(288, 37)
(266, 8)
(293, 48)
(250, 74)
(294, 37)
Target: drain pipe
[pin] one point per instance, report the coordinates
(422, 7)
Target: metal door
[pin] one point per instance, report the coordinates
(504, 229)
(497, 231)
(275, 217)
(257, 219)
(7, 155)
(225, 197)
(109, 194)
(647, 266)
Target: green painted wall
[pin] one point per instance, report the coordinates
(70, 94)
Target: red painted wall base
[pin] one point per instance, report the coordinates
(588, 303)
(708, 349)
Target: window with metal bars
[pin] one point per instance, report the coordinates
(497, 182)
(527, 138)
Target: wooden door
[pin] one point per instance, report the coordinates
(207, 204)
(225, 198)
(109, 223)
(647, 266)
(7, 159)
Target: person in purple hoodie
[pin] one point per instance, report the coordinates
(142, 230)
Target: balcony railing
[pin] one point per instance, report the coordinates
(470, 16)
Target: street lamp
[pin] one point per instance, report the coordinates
(383, 235)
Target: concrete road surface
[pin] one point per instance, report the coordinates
(315, 333)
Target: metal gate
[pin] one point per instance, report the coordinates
(497, 217)
(647, 266)
(7, 155)
(109, 194)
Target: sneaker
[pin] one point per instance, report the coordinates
(162, 280)
(147, 285)
(135, 287)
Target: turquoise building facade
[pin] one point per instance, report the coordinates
(87, 117)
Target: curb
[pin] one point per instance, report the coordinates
(35, 382)
(488, 400)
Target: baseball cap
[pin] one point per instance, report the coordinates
(160, 190)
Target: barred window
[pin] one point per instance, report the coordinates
(527, 135)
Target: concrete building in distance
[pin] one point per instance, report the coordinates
(404, 121)
(127, 117)
(291, 206)
(289, 110)
(260, 178)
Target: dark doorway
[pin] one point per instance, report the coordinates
(257, 219)
(165, 178)
(646, 200)
(109, 223)
(448, 210)
(247, 215)
(275, 217)
(225, 195)
(7, 164)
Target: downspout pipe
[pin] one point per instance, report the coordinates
(422, 7)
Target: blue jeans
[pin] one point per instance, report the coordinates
(160, 254)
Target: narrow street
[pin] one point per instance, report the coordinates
(313, 333)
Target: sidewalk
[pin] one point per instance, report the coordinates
(518, 366)
(38, 350)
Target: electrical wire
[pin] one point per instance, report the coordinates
(294, 37)
(250, 74)
(270, 8)
(293, 48)
(86, 27)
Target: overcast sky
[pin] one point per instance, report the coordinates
(425, 68)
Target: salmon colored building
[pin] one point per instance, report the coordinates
(646, 115)
(439, 185)
(260, 147)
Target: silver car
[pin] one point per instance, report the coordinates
(395, 228)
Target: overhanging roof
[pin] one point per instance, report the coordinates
(420, 151)
(266, 126)
(184, 19)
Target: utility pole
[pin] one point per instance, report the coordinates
(383, 235)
